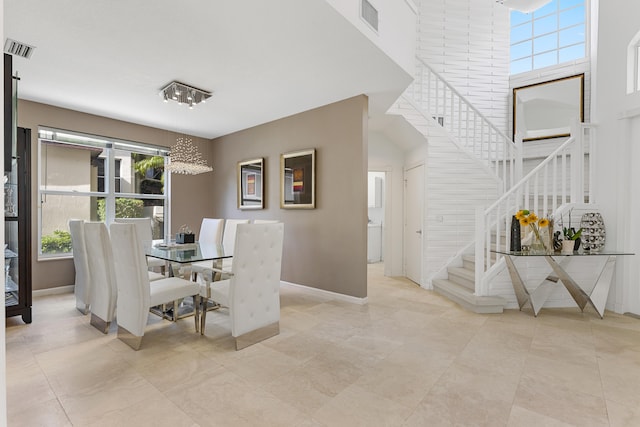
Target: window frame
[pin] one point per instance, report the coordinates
(532, 37)
(109, 147)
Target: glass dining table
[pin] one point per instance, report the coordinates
(183, 254)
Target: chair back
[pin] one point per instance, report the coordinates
(131, 277)
(82, 288)
(211, 231)
(143, 227)
(229, 237)
(254, 289)
(101, 269)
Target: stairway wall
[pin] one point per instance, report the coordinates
(467, 42)
(456, 185)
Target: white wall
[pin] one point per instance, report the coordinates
(617, 189)
(385, 156)
(396, 35)
(467, 41)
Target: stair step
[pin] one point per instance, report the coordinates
(466, 298)
(463, 277)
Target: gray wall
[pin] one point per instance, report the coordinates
(191, 195)
(326, 247)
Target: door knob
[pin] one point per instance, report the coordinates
(419, 232)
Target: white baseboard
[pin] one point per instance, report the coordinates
(326, 294)
(53, 291)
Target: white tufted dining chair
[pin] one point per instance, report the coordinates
(136, 295)
(265, 221)
(144, 232)
(82, 286)
(252, 293)
(101, 270)
(210, 233)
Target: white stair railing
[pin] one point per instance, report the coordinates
(557, 180)
(466, 124)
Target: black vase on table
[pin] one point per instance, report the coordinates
(515, 245)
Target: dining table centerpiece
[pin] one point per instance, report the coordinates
(533, 238)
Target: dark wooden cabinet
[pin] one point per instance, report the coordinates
(17, 229)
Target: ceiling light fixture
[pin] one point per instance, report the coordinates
(524, 6)
(184, 94)
(186, 159)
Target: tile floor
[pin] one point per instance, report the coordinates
(407, 358)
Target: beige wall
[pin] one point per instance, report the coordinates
(325, 247)
(191, 195)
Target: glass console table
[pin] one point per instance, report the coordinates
(558, 261)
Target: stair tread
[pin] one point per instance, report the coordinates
(464, 272)
(467, 294)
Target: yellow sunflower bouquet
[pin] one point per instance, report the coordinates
(531, 220)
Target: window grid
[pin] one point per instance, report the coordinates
(526, 61)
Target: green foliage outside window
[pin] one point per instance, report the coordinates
(58, 242)
(125, 208)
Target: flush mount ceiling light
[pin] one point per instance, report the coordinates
(186, 159)
(184, 94)
(524, 6)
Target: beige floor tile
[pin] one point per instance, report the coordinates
(409, 357)
(561, 403)
(356, 406)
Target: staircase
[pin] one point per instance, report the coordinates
(458, 133)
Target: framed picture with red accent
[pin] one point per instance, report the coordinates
(298, 180)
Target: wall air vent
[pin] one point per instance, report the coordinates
(369, 14)
(18, 48)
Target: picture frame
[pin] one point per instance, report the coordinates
(251, 184)
(298, 180)
(545, 110)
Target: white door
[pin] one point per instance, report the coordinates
(414, 202)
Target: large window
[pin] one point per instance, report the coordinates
(551, 35)
(96, 179)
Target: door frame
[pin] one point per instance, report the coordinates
(421, 203)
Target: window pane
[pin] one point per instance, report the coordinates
(545, 60)
(521, 50)
(545, 25)
(571, 53)
(572, 17)
(56, 213)
(69, 167)
(545, 43)
(550, 7)
(572, 35)
(564, 4)
(518, 18)
(521, 32)
(521, 66)
(139, 173)
(143, 208)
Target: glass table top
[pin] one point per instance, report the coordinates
(187, 252)
(574, 253)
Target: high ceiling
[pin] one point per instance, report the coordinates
(263, 60)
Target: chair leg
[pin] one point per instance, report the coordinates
(129, 339)
(203, 315)
(99, 323)
(196, 304)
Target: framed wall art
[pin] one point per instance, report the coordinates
(298, 180)
(251, 184)
(546, 110)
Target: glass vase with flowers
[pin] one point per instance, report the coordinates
(534, 239)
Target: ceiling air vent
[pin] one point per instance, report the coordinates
(369, 14)
(18, 49)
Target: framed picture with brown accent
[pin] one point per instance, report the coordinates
(250, 184)
(298, 180)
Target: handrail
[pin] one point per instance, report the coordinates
(557, 180)
(466, 124)
(454, 90)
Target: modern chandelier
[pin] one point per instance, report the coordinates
(184, 94)
(186, 159)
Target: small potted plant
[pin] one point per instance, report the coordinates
(571, 239)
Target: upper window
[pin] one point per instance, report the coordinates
(551, 35)
(96, 179)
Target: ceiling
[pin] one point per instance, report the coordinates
(263, 60)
